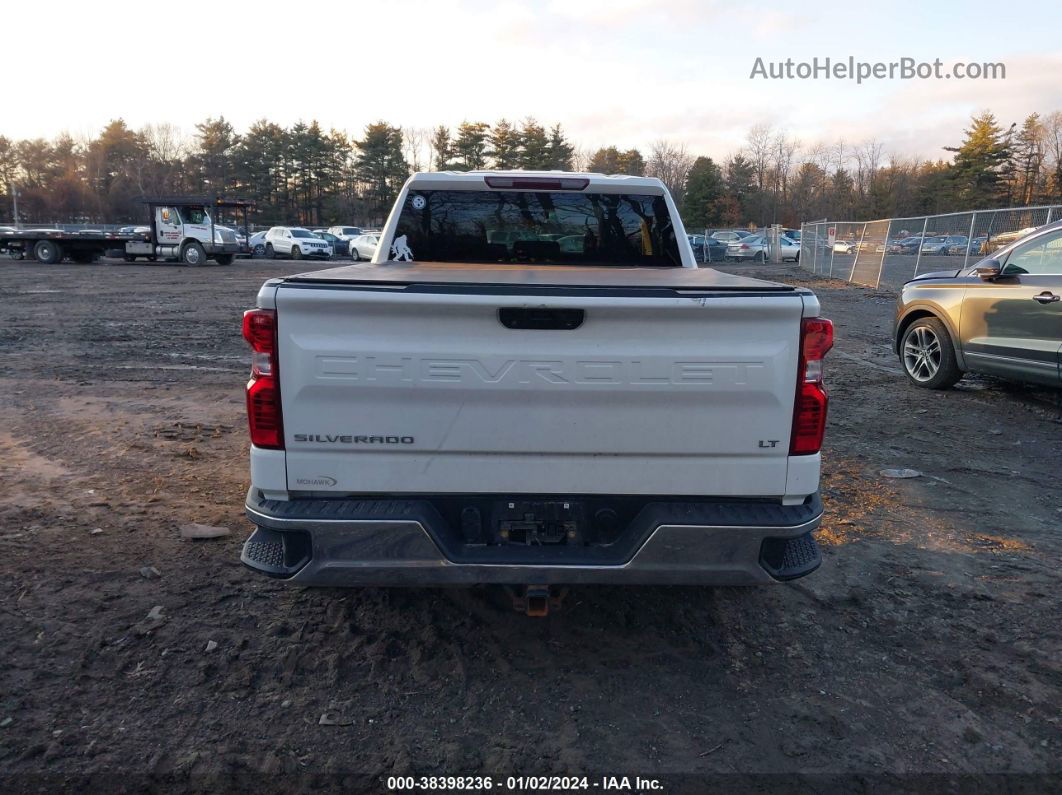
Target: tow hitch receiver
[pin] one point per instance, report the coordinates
(536, 600)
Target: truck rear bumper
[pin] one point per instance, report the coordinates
(399, 543)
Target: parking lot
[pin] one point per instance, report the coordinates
(928, 642)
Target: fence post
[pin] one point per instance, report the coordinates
(884, 251)
(1049, 211)
(859, 248)
(815, 251)
(969, 240)
(921, 240)
(828, 243)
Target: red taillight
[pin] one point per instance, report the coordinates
(263, 390)
(745, 246)
(809, 407)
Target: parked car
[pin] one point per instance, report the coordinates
(730, 235)
(844, 247)
(295, 242)
(346, 233)
(707, 249)
(340, 247)
(126, 231)
(633, 419)
(1005, 318)
(942, 245)
(364, 247)
(257, 243)
(752, 247)
(757, 247)
(790, 248)
(907, 245)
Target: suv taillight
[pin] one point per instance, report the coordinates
(263, 390)
(809, 409)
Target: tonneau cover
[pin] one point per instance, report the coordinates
(450, 273)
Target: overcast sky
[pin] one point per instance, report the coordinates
(622, 72)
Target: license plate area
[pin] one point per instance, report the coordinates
(530, 523)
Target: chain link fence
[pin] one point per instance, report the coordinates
(888, 252)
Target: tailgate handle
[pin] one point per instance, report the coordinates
(540, 318)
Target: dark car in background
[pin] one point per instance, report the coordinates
(944, 245)
(1001, 316)
(707, 249)
(906, 245)
(340, 247)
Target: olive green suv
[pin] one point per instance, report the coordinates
(1001, 316)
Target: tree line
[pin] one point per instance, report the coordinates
(303, 174)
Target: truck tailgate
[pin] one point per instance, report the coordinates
(392, 390)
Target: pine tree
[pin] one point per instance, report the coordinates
(504, 141)
(704, 189)
(442, 149)
(740, 185)
(381, 167)
(975, 176)
(610, 160)
(560, 150)
(534, 146)
(470, 146)
(605, 161)
(1029, 159)
(216, 140)
(631, 162)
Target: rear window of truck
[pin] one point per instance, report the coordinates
(562, 228)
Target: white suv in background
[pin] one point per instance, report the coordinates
(347, 233)
(295, 242)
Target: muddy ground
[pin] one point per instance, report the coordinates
(929, 643)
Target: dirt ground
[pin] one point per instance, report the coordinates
(926, 652)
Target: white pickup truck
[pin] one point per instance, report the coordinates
(532, 384)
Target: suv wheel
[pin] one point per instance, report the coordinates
(296, 252)
(927, 355)
(270, 252)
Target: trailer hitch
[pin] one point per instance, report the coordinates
(536, 600)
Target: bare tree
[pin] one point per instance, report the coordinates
(784, 151)
(416, 147)
(1053, 144)
(581, 158)
(868, 158)
(166, 142)
(759, 147)
(670, 163)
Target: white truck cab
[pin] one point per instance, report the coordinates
(186, 229)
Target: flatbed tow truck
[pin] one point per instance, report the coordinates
(181, 228)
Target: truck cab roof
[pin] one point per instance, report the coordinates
(537, 180)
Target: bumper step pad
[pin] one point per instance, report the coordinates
(789, 558)
(278, 554)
